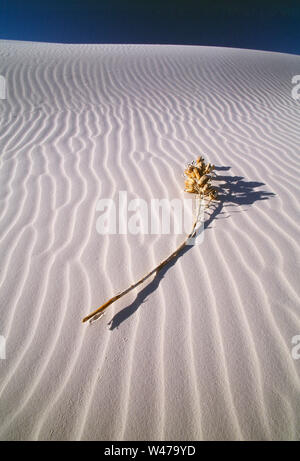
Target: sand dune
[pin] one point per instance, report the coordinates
(205, 350)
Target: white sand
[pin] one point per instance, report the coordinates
(206, 352)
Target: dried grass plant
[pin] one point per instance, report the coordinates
(198, 177)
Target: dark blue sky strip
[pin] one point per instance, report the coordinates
(267, 25)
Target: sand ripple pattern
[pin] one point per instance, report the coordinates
(204, 352)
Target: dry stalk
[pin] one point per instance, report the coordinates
(198, 176)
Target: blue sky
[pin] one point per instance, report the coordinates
(266, 25)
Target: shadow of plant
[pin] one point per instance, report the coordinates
(233, 190)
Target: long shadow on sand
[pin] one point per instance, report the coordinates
(233, 190)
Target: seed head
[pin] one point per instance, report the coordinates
(198, 179)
